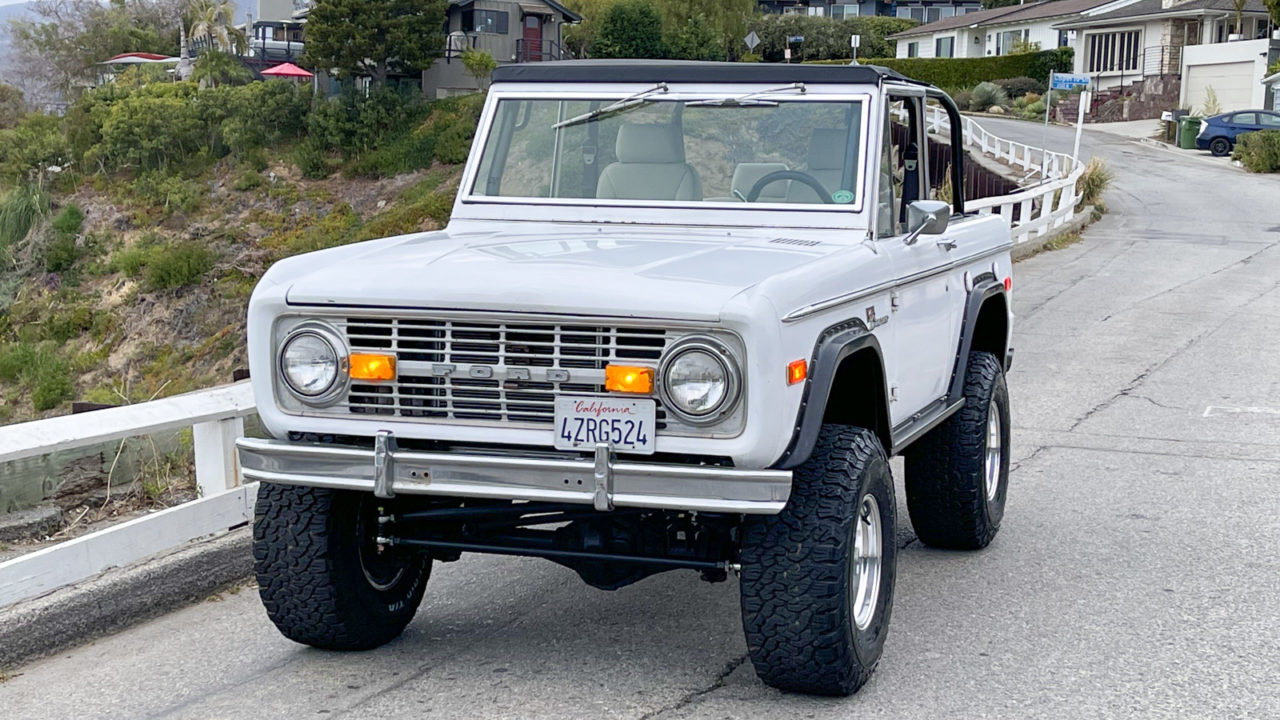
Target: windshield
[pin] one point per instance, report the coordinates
(649, 149)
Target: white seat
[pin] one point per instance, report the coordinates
(826, 165)
(650, 166)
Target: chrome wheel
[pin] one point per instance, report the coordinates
(868, 553)
(994, 453)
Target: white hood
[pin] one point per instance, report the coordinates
(619, 272)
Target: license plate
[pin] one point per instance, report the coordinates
(626, 425)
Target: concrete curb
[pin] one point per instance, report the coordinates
(122, 597)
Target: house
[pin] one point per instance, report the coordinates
(274, 33)
(510, 31)
(998, 31)
(1164, 54)
(921, 10)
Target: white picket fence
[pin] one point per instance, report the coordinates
(1036, 210)
(216, 418)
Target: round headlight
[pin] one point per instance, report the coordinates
(309, 363)
(699, 380)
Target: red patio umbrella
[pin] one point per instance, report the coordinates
(287, 70)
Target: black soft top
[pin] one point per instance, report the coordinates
(684, 71)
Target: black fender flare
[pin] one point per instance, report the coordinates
(834, 345)
(985, 287)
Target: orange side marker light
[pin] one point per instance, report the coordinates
(368, 366)
(797, 371)
(628, 379)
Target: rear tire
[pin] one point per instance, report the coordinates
(815, 617)
(958, 473)
(1220, 147)
(320, 576)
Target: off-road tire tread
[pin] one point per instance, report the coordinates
(297, 580)
(946, 498)
(794, 573)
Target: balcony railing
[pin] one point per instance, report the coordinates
(538, 51)
(502, 50)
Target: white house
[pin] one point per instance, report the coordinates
(994, 32)
(1177, 50)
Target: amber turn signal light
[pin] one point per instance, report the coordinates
(372, 367)
(797, 371)
(628, 379)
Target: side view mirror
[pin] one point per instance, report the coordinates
(926, 217)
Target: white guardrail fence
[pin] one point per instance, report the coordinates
(217, 416)
(1036, 210)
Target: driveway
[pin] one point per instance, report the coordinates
(1136, 573)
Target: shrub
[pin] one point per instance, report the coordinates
(248, 180)
(41, 369)
(19, 210)
(166, 191)
(177, 265)
(1259, 151)
(630, 29)
(1019, 86)
(63, 249)
(962, 98)
(1094, 182)
(1034, 110)
(968, 72)
(986, 95)
(827, 38)
(480, 65)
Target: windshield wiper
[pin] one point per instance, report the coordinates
(750, 98)
(622, 105)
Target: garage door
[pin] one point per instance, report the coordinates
(1231, 82)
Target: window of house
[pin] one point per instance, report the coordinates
(839, 12)
(485, 21)
(913, 49)
(944, 47)
(1113, 52)
(816, 11)
(1006, 40)
(1064, 38)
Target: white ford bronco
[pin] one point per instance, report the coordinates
(682, 316)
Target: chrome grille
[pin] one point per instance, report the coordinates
(471, 372)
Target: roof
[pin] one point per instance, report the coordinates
(287, 70)
(1029, 12)
(1153, 8)
(134, 58)
(569, 15)
(677, 71)
(958, 21)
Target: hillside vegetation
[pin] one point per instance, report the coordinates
(133, 230)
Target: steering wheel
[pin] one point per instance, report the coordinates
(777, 175)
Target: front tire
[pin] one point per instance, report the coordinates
(958, 474)
(817, 579)
(320, 576)
(1220, 147)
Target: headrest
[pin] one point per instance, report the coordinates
(826, 149)
(649, 144)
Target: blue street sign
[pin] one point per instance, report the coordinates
(1068, 81)
(795, 39)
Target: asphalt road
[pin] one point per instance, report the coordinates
(1136, 573)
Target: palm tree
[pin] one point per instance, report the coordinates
(214, 20)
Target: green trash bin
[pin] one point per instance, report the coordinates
(1190, 127)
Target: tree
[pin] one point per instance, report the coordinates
(55, 53)
(1273, 8)
(215, 21)
(630, 29)
(13, 106)
(214, 68)
(480, 65)
(375, 37)
(706, 29)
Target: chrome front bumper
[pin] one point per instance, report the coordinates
(603, 483)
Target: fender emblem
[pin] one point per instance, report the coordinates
(874, 322)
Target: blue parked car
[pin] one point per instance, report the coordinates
(1218, 133)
